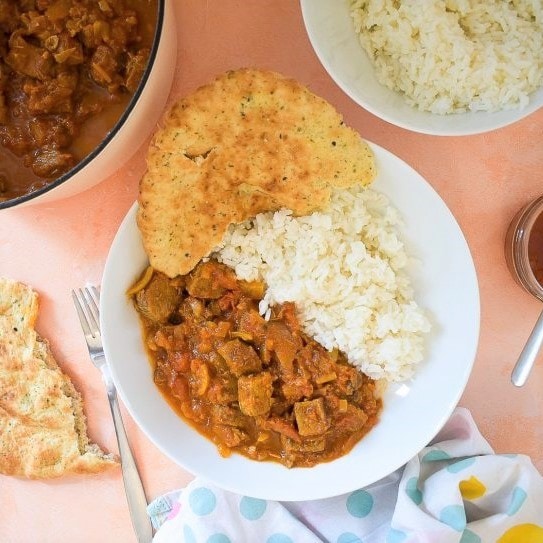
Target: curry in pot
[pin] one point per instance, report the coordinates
(260, 388)
(68, 69)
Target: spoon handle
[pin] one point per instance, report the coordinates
(528, 355)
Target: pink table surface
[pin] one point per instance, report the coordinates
(55, 247)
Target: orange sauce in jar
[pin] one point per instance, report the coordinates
(535, 249)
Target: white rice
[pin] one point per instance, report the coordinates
(345, 270)
(450, 56)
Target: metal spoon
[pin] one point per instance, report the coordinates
(517, 255)
(528, 355)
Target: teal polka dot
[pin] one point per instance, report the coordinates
(189, 534)
(252, 508)
(435, 456)
(412, 490)
(454, 516)
(396, 536)
(218, 538)
(460, 465)
(469, 537)
(348, 537)
(279, 538)
(202, 501)
(360, 503)
(518, 498)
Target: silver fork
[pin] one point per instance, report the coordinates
(87, 301)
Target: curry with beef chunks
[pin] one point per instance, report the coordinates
(259, 387)
(68, 69)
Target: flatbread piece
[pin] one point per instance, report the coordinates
(42, 425)
(250, 141)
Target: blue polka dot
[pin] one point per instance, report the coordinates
(435, 456)
(518, 498)
(348, 537)
(469, 537)
(396, 536)
(279, 538)
(460, 465)
(360, 503)
(189, 534)
(218, 538)
(454, 516)
(412, 490)
(252, 508)
(202, 501)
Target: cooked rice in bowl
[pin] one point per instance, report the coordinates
(345, 269)
(452, 56)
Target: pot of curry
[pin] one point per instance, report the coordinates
(82, 84)
(260, 388)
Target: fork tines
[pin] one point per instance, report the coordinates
(87, 302)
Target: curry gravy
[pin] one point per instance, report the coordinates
(260, 388)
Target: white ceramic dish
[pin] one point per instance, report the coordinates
(336, 44)
(445, 284)
(136, 123)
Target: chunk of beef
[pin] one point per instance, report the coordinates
(36, 25)
(123, 30)
(296, 389)
(250, 322)
(311, 417)
(318, 362)
(240, 357)
(28, 59)
(135, 66)
(253, 289)
(50, 162)
(14, 138)
(59, 9)
(352, 420)
(51, 131)
(52, 96)
(159, 300)
(255, 394)
(306, 445)
(94, 34)
(348, 379)
(105, 68)
(228, 416)
(192, 308)
(222, 392)
(68, 51)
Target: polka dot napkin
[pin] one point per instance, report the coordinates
(456, 490)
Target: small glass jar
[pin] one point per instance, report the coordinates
(517, 246)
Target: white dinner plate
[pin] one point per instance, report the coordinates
(445, 284)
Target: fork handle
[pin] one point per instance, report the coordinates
(135, 495)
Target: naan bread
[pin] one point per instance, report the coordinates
(250, 141)
(42, 425)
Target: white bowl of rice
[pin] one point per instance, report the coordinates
(441, 67)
